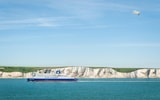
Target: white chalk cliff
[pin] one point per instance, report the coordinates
(85, 72)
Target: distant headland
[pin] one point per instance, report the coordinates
(80, 72)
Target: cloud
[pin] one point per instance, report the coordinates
(136, 45)
(26, 21)
(73, 13)
(33, 22)
(17, 37)
(88, 8)
(46, 24)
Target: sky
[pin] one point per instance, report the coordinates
(100, 33)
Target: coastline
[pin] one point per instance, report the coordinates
(88, 72)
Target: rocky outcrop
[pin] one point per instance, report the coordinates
(15, 75)
(85, 72)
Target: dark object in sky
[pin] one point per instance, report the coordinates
(136, 12)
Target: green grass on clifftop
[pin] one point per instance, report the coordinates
(33, 69)
(19, 69)
(23, 69)
(126, 70)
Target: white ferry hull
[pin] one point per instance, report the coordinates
(51, 79)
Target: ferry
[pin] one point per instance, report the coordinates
(55, 78)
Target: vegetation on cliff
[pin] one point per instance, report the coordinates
(20, 69)
(126, 70)
(33, 69)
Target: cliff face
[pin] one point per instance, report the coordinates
(15, 75)
(84, 72)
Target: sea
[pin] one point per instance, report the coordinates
(83, 89)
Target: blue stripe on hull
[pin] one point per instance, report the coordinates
(50, 79)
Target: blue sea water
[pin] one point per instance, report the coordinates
(83, 89)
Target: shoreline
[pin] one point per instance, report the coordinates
(87, 72)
